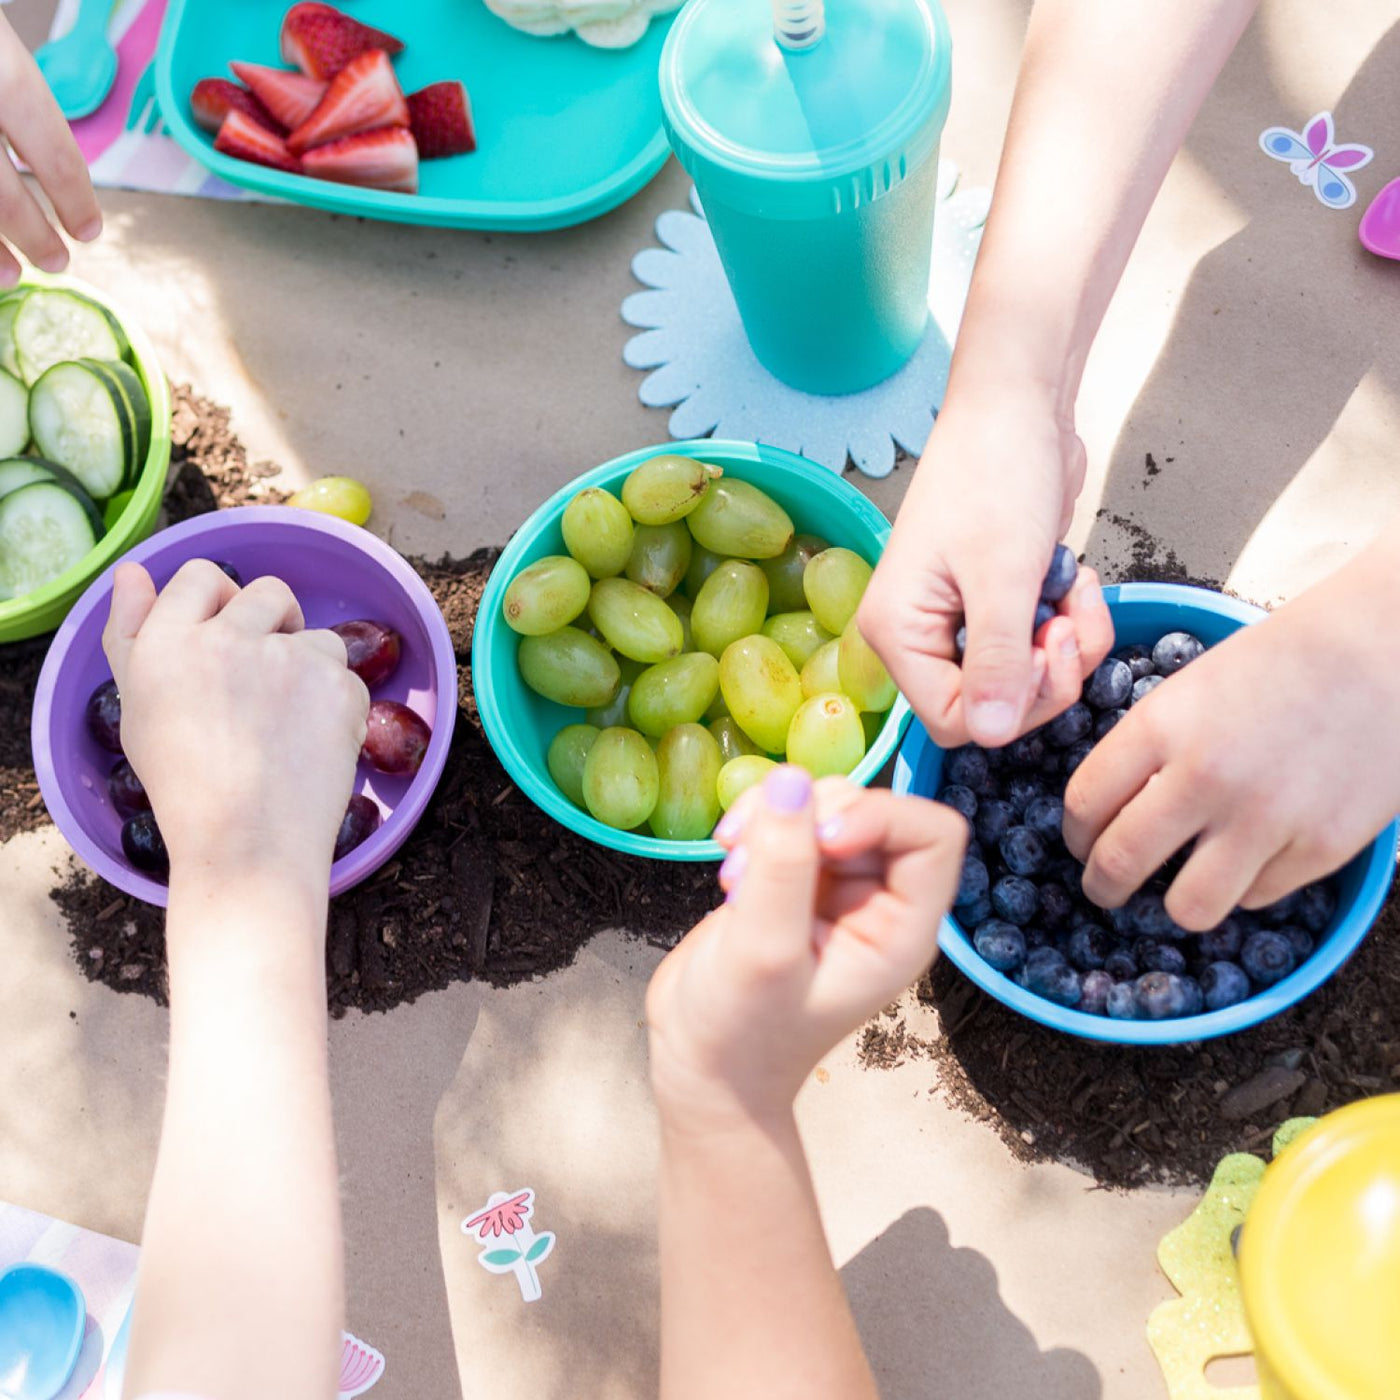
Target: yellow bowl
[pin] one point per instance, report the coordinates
(1320, 1260)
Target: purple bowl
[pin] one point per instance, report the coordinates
(338, 572)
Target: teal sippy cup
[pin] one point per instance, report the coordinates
(812, 138)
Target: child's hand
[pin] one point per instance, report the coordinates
(974, 537)
(33, 125)
(243, 727)
(1276, 752)
(813, 940)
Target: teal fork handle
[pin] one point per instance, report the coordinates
(142, 97)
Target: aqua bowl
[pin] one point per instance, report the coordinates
(1143, 612)
(520, 724)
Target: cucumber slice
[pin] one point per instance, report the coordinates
(79, 420)
(22, 471)
(44, 532)
(9, 309)
(138, 407)
(114, 325)
(52, 326)
(14, 415)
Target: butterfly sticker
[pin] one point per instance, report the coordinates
(1316, 159)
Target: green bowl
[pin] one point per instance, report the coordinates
(42, 610)
(520, 724)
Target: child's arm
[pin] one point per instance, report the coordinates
(244, 729)
(1105, 96)
(33, 125)
(1275, 752)
(812, 941)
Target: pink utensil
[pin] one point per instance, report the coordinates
(1380, 224)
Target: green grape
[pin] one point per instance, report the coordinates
(834, 581)
(682, 606)
(738, 520)
(567, 752)
(635, 622)
(598, 532)
(873, 723)
(687, 807)
(613, 715)
(667, 488)
(862, 673)
(826, 736)
(761, 688)
(620, 779)
(822, 673)
(660, 556)
(732, 740)
(785, 592)
(548, 595)
(739, 775)
(570, 668)
(798, 633)
(674, 692)
(703, 563)
(732, 603)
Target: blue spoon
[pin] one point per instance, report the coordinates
(42, 1321)
(81, 67)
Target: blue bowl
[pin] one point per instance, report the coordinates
(1143, 612)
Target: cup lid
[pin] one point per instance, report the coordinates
(875, 88)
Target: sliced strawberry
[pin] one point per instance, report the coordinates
(290, 97)
(214, 98)
(440, 117)
(362, 96)
(246, 139)
(386, 159)
(321, 41)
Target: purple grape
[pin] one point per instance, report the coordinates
(144, 846)
(360, 822)
(104, 716)
(395, 738)
(126, 790)
(372, 649)
(228, 569)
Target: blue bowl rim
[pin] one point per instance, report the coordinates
(498, 733)
(1376, 879)
(57, 1278)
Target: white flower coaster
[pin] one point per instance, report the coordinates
(701, 365)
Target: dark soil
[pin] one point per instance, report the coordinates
(486, 887)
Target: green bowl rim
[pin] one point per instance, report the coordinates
(146, 496)
(522, 770)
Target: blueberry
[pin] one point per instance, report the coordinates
(1094, 992)
(1143, 688)
(1110, 685)
(1163, 995)
(1015, 899)
(1046, 817)
(960, 641)
(1048, 975)
(994, 819)
(229, 570)
(1316, 906)
(1120, 964)
(1120, 920)
(970, 915)
(1223, 942)
(1268, 957)
(1088, 946)
(1021, 792)
(1037, 937)
(1075, 724)
(1137, 658)
(967, 767)
(1173, 652)
(1055, 904)
(1153, 955)
(1000, 945)
(960, 799)
(1076, 755)
(974, 882)
(1223, 984)
(1106, 721)
(1281, 911)
(1043, 613)
(1060, 576)
(1026, 752)
(1022, 850)
(1299, 939)
(1122, 1002)
(143, 845)
(1148, 916)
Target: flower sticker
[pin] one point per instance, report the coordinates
(506, 1217)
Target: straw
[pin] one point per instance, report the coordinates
(799, 24)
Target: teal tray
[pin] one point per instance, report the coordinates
(565, 132)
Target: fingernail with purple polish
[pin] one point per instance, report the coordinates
(728, 827)
(732, 867)
(788, 789)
